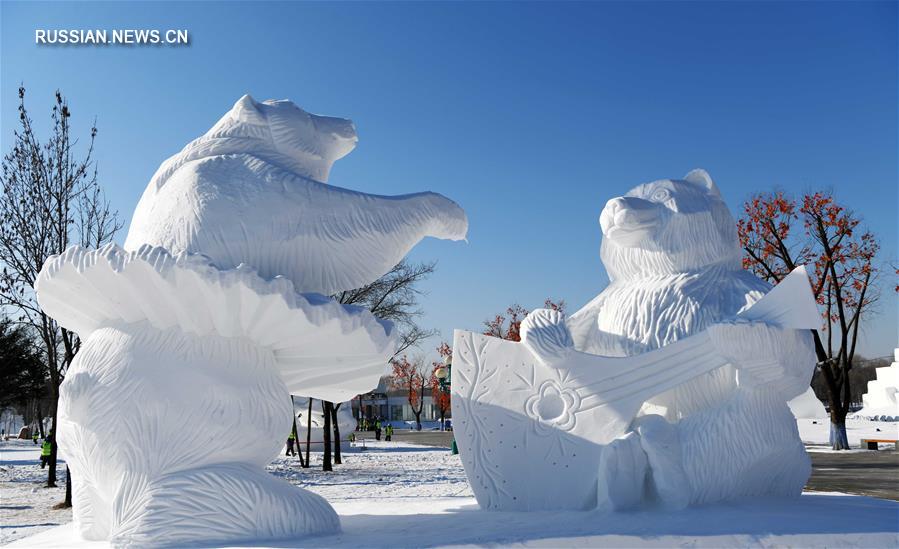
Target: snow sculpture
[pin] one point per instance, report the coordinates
(251, 191)
(807, 406)
(881, 401)
(669, 388)
(345, 421)
(179, 395)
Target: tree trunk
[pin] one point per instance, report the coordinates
(326, 436)
(417, 419)
(68, 500)
(296, 436)
(336, 427)
(838, 439)
(40, 417)
(334, 408)
(51, 474)
(308, 432)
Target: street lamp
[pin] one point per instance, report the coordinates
(444, 374)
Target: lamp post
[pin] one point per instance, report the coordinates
(444, 374)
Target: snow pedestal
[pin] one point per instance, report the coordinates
(668, 389)
(194, 339)
(881, 401)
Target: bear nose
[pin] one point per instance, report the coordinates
(625, 210)
(607, 216)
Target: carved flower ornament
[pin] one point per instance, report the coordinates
(553, 406)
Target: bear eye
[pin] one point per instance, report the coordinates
(660, 195)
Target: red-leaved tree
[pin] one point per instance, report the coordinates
(777, 234)
(411, 377)
(508, 326)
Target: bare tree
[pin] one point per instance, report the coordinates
(50, 200)
(394, 297)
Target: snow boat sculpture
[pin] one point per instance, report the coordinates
(668, 389)
(195, 336)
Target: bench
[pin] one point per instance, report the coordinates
(871, 443)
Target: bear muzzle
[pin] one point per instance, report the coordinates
(627, 220)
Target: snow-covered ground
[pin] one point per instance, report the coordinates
(403, 495)
(815, 433)
(25, 505)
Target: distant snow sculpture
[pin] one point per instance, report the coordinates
(807, 406)
(881, 400)
(194, 337)
(668, 389)
(345, 421)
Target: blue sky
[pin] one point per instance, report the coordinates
(530, 116)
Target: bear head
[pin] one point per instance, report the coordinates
(668, 226)
(311, 143)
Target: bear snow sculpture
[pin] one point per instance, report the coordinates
(669, 388)
(252, 190)
(195, 336)
(674, 262)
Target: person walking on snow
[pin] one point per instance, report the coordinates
(388, 432)
(378, 429)
(291, 438)
(46, 450)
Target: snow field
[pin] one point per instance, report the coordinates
(404, 495)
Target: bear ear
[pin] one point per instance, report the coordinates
(247, 110)
(703, 179)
